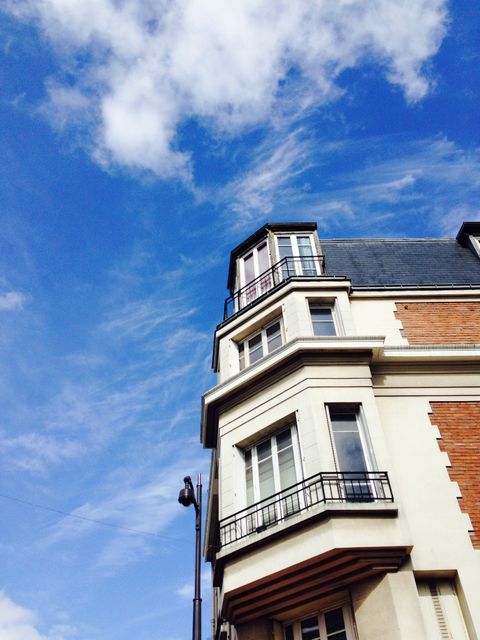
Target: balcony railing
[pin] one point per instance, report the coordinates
(325, 487)
(288, 267)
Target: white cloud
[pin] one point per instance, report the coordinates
(146, 67)
(11, 301)
(273, 168)
(17, 622)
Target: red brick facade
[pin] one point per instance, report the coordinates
(459, 425)
(440, 322)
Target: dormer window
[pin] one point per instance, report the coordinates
(298, 255)
(269, 257)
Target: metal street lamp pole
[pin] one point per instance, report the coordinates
(187, 497)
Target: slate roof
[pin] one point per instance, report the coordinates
(386, 262)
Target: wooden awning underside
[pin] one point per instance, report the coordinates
(279, 594)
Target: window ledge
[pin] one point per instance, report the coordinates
(439, 352)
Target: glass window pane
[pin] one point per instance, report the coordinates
(285, 251)
(348, 447)
(263, 262)
(334, 621)
(343, 420)
(304, 246)
(274, 342)
(286, 464)
(310, 630)
(322, 321)
(255, 348)
(274, 337)
(249, 479)
(265, 478)
(284, 439)
(285, 242)
(324, 329)
(249, 268)
(321, 313)
(264, 450)
(305, 251)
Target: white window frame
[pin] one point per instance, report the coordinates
(367, 448)
(296, 252)
(347, 618)
(243, 344)
(272, 513)
(259, 288)
(320, 304)
(276, 469)
(253, 252)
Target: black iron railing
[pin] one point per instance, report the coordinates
(327, 486)
(288, 267)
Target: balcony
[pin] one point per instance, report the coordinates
(288, 267)
(323, 488)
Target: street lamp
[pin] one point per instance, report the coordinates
(186, 497)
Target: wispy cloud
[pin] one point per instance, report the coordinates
(11, 301)
(35, 452)
(136, 511)
(433, 180)
(450, 223)
(118, 418)
(140, 69)
(424, 179)
(274, 167)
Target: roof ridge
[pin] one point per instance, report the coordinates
(324, 240)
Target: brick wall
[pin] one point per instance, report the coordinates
(459, 425)
(440, 322)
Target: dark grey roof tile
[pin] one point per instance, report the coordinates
(386, 262)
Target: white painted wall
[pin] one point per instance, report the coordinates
(395, 401)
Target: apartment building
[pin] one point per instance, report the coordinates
(344, 498)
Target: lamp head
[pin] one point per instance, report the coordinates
(186, 497)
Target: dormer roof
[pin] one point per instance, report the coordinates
(466, 230)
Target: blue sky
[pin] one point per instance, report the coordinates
(141, 141)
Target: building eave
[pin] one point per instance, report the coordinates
(290, 357)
